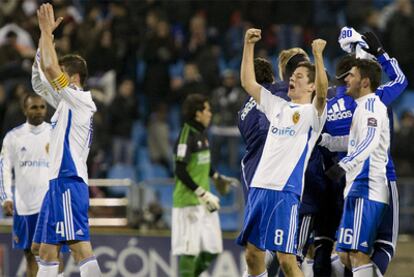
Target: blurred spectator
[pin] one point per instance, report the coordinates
(159, 53)
(19, 38)
(122, 114)
(226, 102)
(202, 52)
(14, 114)
(159, 146)
(192, 83)
(398, 38)
(102, 58)
(403, 146)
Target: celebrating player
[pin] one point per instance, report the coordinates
(278, 181)
(60, 83)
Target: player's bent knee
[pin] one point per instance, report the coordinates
(49, 252)
(344, 258)
(359, 258)
(286, 261)
(81, 250)
(35, 249)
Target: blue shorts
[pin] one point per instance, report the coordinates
(40, 230)
(67, 218)
(388, 229)
(270, 220)
(359, 224)
(24, 227)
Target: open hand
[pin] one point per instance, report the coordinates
(46, 18)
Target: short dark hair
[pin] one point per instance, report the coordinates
(371, 70)
(75, 64)
(27, 97)
(263, 71)
(311, 70)
(192, 104)
(343, 66)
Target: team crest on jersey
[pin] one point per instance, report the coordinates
(47, 148)
(372, 122)
(296, 117)
(16, 239)
(199, 143)
(23, 149)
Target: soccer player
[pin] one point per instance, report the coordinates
(60, 83)
(25, 151)
(366, 191)
(253, 124)
(340, 111)
(272, 205)
(196, 234)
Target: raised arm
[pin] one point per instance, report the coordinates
(321, 80)
(48, 57)
(247, 75)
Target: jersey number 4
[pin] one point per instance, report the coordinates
(60, 230)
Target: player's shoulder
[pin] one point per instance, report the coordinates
(17, 130)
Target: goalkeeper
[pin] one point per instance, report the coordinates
(196, 234)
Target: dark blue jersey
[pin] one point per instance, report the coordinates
(253, 126)
(341, 107)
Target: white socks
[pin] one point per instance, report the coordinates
(48, 269)
(245, 274)
(366, 270)
(337, 266)
(90, 268)
(307, 267)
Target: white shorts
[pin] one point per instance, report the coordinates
(195, 230)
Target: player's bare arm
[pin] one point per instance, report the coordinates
(321, 80)
(48, 57)
(247, 76)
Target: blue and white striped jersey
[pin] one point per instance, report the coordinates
(25, 152)
(292, 134)
(72, 126)
(368, 145)
(342, 106)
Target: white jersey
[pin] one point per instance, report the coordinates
(25, 151)
(369, 142)
(294, 129)
(72, 126)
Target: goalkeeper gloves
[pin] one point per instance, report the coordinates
(335, 173)
(207, 199)
(374, 45)
(223, 183)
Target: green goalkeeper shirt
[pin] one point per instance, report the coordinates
(192, 148)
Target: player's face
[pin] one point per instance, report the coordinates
(204, 117)
(35, 110)
(353, 82)
(299, 84)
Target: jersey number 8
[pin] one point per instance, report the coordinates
(278, 237)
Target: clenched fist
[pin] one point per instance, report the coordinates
(252, 35)
(318, 45)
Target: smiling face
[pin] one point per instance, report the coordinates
(299, 84)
